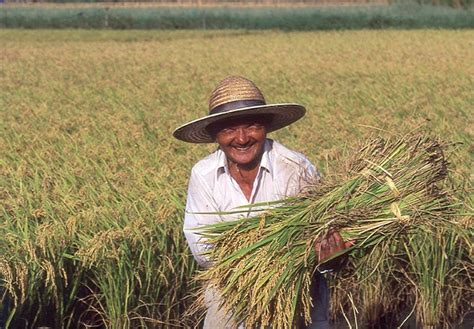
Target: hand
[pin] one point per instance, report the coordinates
(326, 248)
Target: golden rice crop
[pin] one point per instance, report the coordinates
(389, 200)
(90, 227)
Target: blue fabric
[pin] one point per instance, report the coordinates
(320, 311)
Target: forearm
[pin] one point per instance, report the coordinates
(198, 246)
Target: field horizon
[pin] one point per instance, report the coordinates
(294, 17)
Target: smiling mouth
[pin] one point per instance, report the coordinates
(242, 148)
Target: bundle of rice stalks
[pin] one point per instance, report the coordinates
(389, 198)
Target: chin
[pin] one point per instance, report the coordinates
(244, 159)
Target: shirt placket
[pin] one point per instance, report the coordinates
(255, 190)
(255, 187)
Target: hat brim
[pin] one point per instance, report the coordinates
(282, 116)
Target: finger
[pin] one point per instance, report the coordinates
(332, 245)
(322, 250)
(317, 249)
(338, 240)
(349, 243)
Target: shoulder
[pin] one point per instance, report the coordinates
(207, 165)
(290, 158)
(292, 170)
(203, 173)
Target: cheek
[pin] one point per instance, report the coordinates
(260, 137)
(222, 141)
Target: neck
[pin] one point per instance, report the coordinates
(248, 166)
(244, 173)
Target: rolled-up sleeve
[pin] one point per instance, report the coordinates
(199, 200)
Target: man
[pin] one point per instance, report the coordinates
(246, 168)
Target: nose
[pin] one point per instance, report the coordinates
(242, 137)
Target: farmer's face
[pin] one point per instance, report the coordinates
(242, 141)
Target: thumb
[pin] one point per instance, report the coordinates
(349, 243)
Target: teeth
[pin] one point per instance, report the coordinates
(242, 148)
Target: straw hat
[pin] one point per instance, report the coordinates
(236, 97)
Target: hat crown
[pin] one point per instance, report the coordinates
(234, 89)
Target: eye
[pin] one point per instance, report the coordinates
(227, 131)
(255, 126)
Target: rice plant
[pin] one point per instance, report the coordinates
(387, 200)
(88, 168)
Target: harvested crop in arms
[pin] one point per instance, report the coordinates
(390, 200)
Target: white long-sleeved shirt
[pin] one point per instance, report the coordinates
(282, 173)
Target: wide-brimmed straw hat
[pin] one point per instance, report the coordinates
(236, 97)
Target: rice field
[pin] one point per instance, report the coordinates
(92, 183)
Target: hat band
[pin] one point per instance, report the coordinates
(236, 105)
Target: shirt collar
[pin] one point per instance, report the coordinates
(265, 162)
